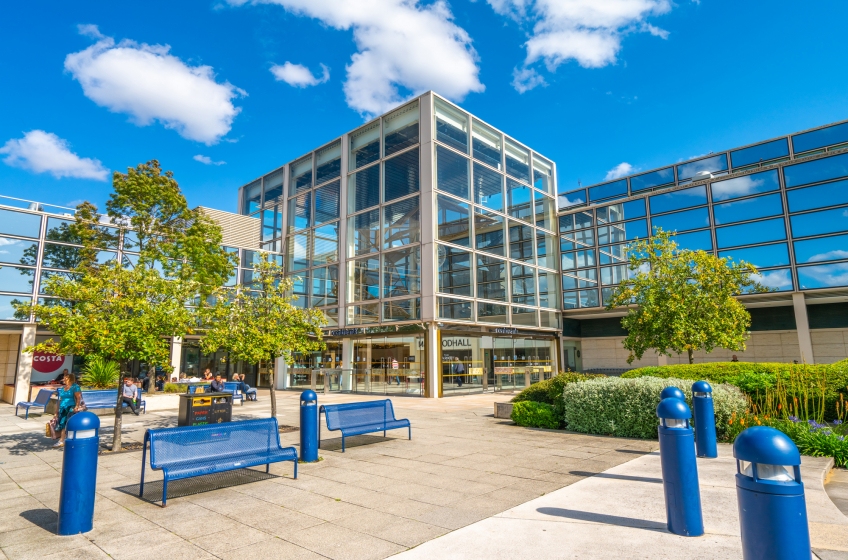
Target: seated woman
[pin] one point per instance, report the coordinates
(246, 390)
(70, 401)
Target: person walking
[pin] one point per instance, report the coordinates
(70, 401)
(129, 395)
(459, 370)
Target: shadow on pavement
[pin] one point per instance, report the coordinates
(26, 442)
(602, 518)
(335, 444)
(45, 518)
(196, 485)
(632, 451)
(618, 476)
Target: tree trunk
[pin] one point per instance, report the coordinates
(691, 355)
(116, 437)
(151, 380)
(273, 393)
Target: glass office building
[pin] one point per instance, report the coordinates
(429, 239)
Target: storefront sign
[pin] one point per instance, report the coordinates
(456, 342)
(505, 330)
(47, 366)
(343, 332)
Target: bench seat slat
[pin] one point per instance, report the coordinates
(362, 418)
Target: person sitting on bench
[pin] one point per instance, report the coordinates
(130, 394)
(217, 385)
(246, 390)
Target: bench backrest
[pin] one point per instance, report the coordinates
(173, 445)
(231, 386)
(43, 396)
(350, 415)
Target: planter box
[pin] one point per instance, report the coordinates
(503, 410)
(9, 393)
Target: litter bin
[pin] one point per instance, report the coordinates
(770, 494)
(205, 408)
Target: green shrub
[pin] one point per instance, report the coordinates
(100, 373)
(812, 438)
(627, 407)
(549, 391)
(174, 388)
(534, 415)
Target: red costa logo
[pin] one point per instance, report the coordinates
(47, 363)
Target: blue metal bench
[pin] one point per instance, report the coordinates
(41, 400)
(192, 451)
(192, 389)
(354, 419)
(232, 387)
(107, 399)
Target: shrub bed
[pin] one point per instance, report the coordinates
(534, 415)
(549, 391)
(627, 407)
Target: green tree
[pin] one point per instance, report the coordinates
(260, 324)
(681, 300)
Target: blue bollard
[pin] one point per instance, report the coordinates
(705, 430)
(308, 426)
(772, 508)
(672, 392)
(79, 474)
(679, 469)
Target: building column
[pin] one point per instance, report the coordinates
(433, 379)
(23, 374)
(281, 373)
(347, 365)
(805, 342)
(176, 355)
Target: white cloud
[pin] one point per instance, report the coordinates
(150, 84)
(298, 75)
(586, 31)
(206, 160)
(404, 48)
(621, 170)
(44, 152)
(525, 79)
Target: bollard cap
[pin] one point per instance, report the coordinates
(82, 421)
(701, 387)
(673, 409)
(672, 392)
(762, 444)
(308, 396)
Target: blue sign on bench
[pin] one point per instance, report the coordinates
(107, 399)
(192, 451)
(353, 419)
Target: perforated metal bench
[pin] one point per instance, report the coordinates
(191, 451)
(107, 399)
(232, 387)
(41, 400)
(353, 419)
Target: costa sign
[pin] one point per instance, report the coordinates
(49, 365)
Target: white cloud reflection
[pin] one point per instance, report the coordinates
(775, 279)
(734, 188)
(823, 276)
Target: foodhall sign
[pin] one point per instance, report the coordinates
(456, 342)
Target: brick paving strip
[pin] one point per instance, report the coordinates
(381, 497)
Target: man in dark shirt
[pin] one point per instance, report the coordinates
(217, 385)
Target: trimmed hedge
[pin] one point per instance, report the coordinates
(549, 391)
(627, 407)
(753, 378)
(534, 415)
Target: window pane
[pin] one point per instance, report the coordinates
(402, 272)
(451, 126)
(16, 279)
(571, 198)
(710, 164)
(300, 212)
(585, 258)
(272, 221)
(613, 275)
(683, 221)
(328, 163)
(401, 223)
(543, 175)
(326, 244)
(545, 212)
(523, 284)
(491, 278)
(301, 174)
(652, 179)
(451, 172)
(677, 200)
(569, 282)
(364, 233)
(746, 234)
(585, 236)
(403, 310)
(588, 298)
(695, 241)
(755, 183)
(18, 251)
(823, 276)
(832, 248)
(521, 242)
(616, 189)
(546, 250)
(364, 189)
(517, 161)
(816, 223)
(829, 194)
(524, 316)
(47, 274)
(7, 309)
(569, 300)
(488, 188)
(587, 278)
(364, 279)
(61, 256)
(814, 171)
(327, 203)
(492, 312)
(252, 196)
(325, 286)
(550, 319)
(401, 175)
(519, 200)
(615, 254)
(622, 232)
(748, 209)
(453, 221)
(486, 144)
(400, 129)
(761, 152)
(297, 252)
(456, 309)
(273, 185)
(764, 256)
(364, 145)
(368, 314)
(568, 261)
(621, 211)
(548, 289)
(454, 271)
(489, 232)
(836, 134)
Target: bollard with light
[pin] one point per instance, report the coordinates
(679, 469)
(79, 474)
(705, 429)
(309, 426)
(672, 392)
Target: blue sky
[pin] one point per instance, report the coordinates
(204, 86)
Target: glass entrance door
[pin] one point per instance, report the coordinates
(389, 365)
